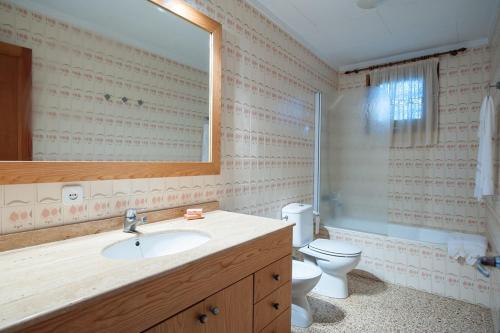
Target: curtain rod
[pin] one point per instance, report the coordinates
(452, 52)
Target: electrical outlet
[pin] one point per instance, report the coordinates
(72, 195)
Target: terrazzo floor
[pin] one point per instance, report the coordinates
(375, 306)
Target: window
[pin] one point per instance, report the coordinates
(408, 95)
(405, 98)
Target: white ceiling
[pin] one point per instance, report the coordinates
(348, 37)
(134, 22)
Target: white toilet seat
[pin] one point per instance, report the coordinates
(334, 248)
(325, 254)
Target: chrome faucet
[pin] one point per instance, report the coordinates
(131, 221)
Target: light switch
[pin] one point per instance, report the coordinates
(72, 194)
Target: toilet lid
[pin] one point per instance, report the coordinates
(334, 247)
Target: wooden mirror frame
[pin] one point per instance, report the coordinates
(22, 172)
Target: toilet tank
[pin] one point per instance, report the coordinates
(302, 216)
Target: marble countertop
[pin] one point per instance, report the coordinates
(44, 279)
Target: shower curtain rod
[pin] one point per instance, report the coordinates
(452, 52)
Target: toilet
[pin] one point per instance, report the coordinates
(336, 259)
(333, 258)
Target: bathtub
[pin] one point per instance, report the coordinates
(411, 256)
(414, 233)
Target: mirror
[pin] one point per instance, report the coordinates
(128, 80)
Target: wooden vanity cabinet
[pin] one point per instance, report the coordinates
(243, 289)
(260, 302)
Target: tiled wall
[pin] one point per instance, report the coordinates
(73, 70)
(494, 203)
(269, 81)
(433, 186)
(420, 265)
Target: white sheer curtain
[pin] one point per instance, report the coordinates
(407, 97)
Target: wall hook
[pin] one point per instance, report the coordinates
(124, 99)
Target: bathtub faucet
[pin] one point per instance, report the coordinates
(487, 261)
(483, 270)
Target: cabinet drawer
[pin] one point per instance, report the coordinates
(282, 324)
(271, 306)
(272, 277)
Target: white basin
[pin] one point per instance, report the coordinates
(155, 245)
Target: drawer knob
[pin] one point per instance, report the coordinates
(215, 310)
(203, 318)
(276, 306)
(276, 277)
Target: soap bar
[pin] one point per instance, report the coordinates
(191, 211)
(193, 216)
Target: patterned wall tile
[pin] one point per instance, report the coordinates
(75, 213)
(48, 194)
(17, 218)
(48, 215)
(19, 195)
(101, 189)
(118, 205)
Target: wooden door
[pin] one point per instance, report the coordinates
(15, 103)
(228, 311)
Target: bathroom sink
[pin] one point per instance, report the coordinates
(155, 245)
